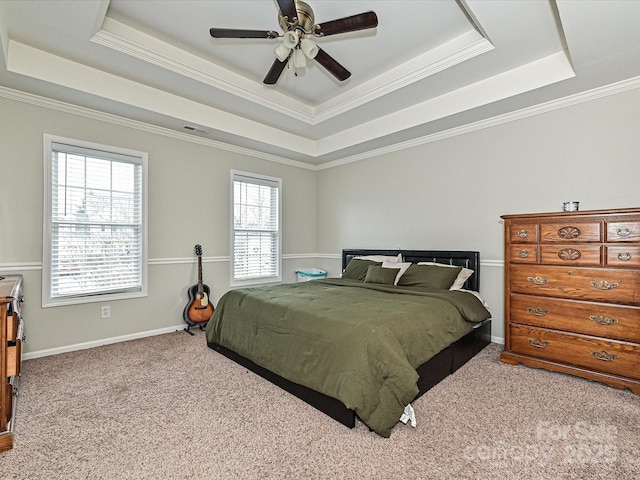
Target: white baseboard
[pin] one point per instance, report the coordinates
(133, 336)
(98, 343)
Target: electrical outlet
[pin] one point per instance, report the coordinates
(105, 311)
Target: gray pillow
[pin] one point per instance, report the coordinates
(385, 276)
(429, 276)
(357, 268)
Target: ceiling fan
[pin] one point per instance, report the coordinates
(297, 20)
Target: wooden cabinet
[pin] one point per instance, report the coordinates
(11, 337)
(572, 294)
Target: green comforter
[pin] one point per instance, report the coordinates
(354, 341)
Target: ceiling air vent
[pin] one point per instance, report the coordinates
(195, 129)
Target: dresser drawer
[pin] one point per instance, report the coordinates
(610, 356)
(523, 233)
(578, 283)
(523, 253)
(587, 255)
(12, 327)
(623, 232)
(623, 256)
(13, 359)
(570, 232)
(601, 320)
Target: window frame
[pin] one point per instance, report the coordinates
(102, 151)
(260, 179)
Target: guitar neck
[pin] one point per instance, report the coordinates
(199, 274)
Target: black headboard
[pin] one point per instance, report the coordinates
(459, 258)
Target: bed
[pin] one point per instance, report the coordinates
(354, 348)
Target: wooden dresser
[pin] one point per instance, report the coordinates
(11, 336)
(572, 294)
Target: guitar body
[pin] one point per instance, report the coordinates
(199, 309)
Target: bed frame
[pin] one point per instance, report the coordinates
(431, 373)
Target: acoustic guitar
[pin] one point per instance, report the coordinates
(199, 308)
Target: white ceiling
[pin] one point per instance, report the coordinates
(430, 67)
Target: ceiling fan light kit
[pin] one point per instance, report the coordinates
(299, 60)
(306, 48)
(290, 39)
(297, 20)
(282, 52)
(309, 48)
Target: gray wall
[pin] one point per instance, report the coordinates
(450, 194)
(188, 204)
(447, 194)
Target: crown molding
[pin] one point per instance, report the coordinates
(122, 38)
(530, 76)
(587, 96)
(64, 107)
(593, 94)
(456, 51)
(125, 39)
(47, 67)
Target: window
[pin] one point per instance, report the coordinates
(256, 228)
(95, 239)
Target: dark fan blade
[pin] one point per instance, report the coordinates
(275, 71)
(288, 8)
(361, 21)
(333, 67)
(235, 33)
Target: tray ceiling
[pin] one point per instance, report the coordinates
(429, 67)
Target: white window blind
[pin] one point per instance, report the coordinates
(95, 241)
(256, 228)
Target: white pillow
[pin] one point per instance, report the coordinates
(462, 277)
(402, 266)
(381, 258)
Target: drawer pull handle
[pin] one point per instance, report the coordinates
(604, 356)
(624, 256)
(603, 319)
(538, 280)
(623, 232)
(523, 233)
(569, 254)
(525, 254)
(538, 312)
(604, 284)
(536, 342)
(569, 233)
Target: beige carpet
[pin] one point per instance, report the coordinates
(168, 407)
